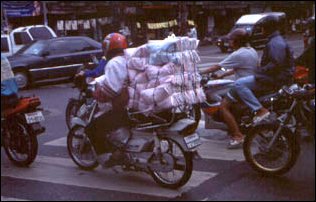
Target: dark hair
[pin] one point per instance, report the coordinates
(270, 24)
(240, 36)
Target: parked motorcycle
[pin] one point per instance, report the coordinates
(20, 126)
(160, 146)
(273, 148)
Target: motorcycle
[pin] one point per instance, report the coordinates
(273, 148)
(74, 104)
(161, 146)
(215, 90)
(20, 126)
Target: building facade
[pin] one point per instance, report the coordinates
(145, 20)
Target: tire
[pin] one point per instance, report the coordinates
(187, 170)
(22, 80)
(85, 148)
(71, 110)
(195, 114)
(20, 140)
(286, 139)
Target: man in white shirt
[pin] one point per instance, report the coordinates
(111, 88)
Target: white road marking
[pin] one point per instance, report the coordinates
(64, 171)
(3, 198)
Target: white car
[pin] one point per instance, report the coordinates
(6, 45)
(24, 35)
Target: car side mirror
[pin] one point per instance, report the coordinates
(45, 53)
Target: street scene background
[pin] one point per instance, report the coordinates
(220, 174)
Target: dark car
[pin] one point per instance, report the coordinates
(252, 24)
(53, 58)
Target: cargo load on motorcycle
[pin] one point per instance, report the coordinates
(163, 75)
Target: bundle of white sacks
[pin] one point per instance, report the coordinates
(163, 75)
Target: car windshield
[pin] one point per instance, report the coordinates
(247, 27)
(40, 33)
(35, 48)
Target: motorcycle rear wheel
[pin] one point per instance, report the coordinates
(20, 143)
(79, 147)
(183, 164)
(266, 160)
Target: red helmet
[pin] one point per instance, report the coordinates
(114, 41)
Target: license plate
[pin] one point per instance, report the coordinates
(192, 140)
(34, 117)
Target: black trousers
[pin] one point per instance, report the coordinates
(100, 127)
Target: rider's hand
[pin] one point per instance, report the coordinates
(81, 73)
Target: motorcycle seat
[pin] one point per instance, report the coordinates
(180, 127)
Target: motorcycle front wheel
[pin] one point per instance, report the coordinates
(80, 148)
(71, 111)
(276, 160)
(181, 169)
(20, 143)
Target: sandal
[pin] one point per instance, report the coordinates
(235, 144)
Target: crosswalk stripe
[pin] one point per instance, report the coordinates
(60, 142)
(64, 171)
(3, 198)
(210, 149)
(217, 149)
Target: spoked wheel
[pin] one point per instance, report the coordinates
(71, 111)
(80, 148)
(180, 172)
(277, 159)
(20, 143)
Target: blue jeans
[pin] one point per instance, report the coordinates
(244, 88)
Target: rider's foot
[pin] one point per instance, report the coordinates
(235, 143)
(261, 114)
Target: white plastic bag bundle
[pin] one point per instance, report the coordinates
(163, 75)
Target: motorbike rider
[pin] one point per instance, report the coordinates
(111, 87)
(307, 58)
(9, 87)
(242, 62)
(97, 71)
(276, 69)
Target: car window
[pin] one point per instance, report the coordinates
(4, 44)
(79, 45)
(59, 47)
(40, 33)
(34, 49)
(70, 46)
(21, 38)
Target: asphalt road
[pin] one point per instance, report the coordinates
(221, 174)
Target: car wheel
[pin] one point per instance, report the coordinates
(22, 80)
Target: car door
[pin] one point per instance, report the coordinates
(59, 60)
